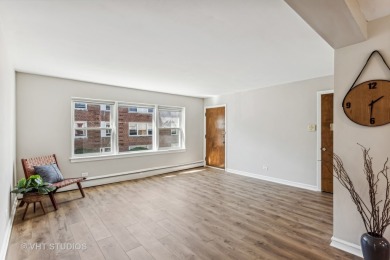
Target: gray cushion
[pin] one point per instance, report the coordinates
(49, 173)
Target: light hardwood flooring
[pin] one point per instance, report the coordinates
(193, 214)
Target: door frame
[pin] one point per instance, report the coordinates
(204, 136)
(319, 94)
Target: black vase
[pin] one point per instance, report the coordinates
(375, 247)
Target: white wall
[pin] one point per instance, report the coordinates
(268, 127)
(44, 124)
(7, 143)
(347, 224)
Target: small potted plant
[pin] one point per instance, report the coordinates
(34, 186)
(376, 213)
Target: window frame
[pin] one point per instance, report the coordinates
(100, 128)
(180, 129)
(114, 122)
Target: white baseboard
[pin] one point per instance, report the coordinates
(131, 175)
(346, 246)
(8, 229)
(276, 180)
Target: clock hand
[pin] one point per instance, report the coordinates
(376, 100)
(371, 105)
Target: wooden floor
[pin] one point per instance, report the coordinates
(194, 214)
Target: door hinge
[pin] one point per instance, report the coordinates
(204, 136)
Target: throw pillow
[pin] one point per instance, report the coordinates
(49, 173)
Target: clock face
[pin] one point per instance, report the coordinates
(368, 103)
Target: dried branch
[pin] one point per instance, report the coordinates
(374, 220)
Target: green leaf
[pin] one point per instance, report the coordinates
(33, 184)
(28, 183)
(22, 183)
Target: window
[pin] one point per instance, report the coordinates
(135, 128)
(105, 107)
(80, 106)
(80, 129)
(140, 129)
(170, 127)
(106, 132)
(103, 128)
(133, 109)
(92, 128)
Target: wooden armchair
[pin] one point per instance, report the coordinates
(28, 167)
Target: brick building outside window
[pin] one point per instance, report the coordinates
(91, 135)
(136, 126)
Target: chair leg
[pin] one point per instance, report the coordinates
(25, 211)
(34, 207)
(44, 212)
(81, 189)
(21, 203)
(53, 200)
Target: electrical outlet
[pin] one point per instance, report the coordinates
(84, 174)
(311, 127)
(265, 168)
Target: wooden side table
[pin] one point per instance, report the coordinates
(32, 198)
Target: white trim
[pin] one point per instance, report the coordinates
(204, 133)
(8, 229)
(100, 157)
(275, 180)
(346, 246)
(131, 175)
(155, 134)
(319, 94)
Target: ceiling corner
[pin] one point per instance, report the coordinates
(339, 23)
(358, 15)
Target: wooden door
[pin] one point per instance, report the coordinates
(327, 143)
(215, 137)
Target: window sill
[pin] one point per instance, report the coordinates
(123, 155)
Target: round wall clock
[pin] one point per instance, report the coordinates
(368, 103)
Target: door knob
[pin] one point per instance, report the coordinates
(323, 149)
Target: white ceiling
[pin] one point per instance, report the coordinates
(374, 9)
(197, 48)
